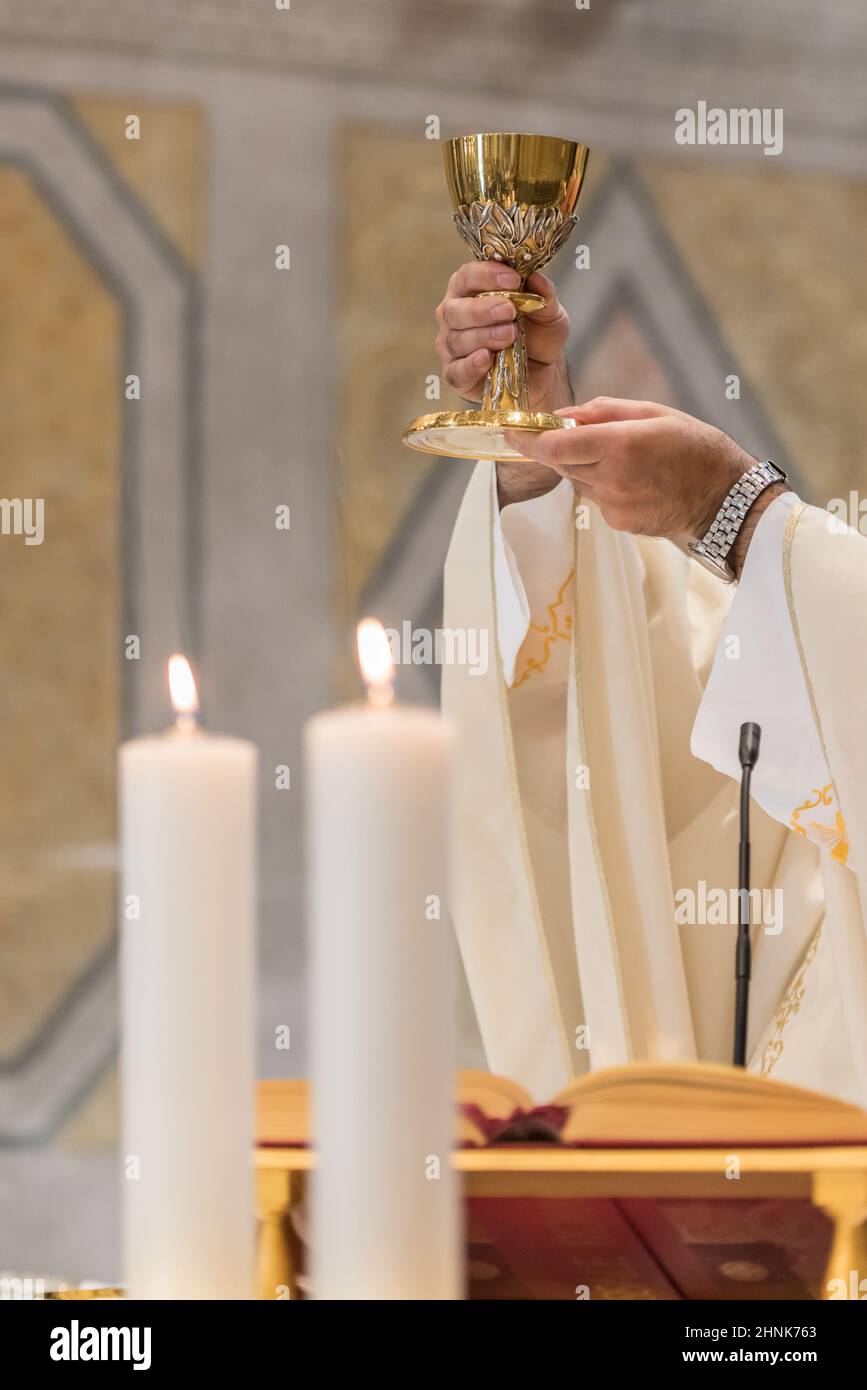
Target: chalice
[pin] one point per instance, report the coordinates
(513, 199)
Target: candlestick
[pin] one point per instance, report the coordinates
(385, 1214)
(188, 817)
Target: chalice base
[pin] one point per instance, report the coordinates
(479, 434)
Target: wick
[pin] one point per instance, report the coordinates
(186, 723)
(380, 694)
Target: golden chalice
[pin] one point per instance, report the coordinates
(513, 198)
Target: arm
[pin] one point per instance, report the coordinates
(657, 472)
(651, 470)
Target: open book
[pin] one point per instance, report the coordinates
(602, 1247)
(646, 1105)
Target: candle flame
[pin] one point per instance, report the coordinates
(375, 660)
(182, 686)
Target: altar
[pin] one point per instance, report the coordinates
(587, 1223)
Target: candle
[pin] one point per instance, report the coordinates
(385, 1215)
(188, 819)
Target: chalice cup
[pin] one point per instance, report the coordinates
(513, 199)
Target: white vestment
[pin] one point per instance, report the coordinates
(597, 792)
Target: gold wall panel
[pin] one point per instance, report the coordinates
(59, 611)
(61, 402)
(164, 168)
(399, 249)
(779, 261)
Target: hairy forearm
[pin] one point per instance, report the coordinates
(520, 482)
(558, 392)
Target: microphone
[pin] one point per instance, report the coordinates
(748, 756)
(748, 748)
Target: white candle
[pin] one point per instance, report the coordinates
(385, 1214)
(188, 820)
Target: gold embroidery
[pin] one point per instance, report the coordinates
(790, 1006)
(557, 629)
(831, 837)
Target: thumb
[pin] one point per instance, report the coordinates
(537, 283)
(607, 409)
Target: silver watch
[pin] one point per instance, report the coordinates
(714, 548)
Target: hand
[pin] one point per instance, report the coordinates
(651, 470)
(472, 331)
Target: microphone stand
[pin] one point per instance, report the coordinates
(748, 754)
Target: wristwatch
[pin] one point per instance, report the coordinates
(714, 548)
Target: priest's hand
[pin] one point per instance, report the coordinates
(651, 470)
(472, 331)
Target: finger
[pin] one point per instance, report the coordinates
(546, 329)
(464, 342)
(582, 481)
(587, 475)
(465, 374)
(545, 340)
(606, 409)
(567, 448)
(474, 276)
(537, 283)
(475, 313)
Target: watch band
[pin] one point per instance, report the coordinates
(715, 545)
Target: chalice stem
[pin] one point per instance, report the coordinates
(506, 386)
